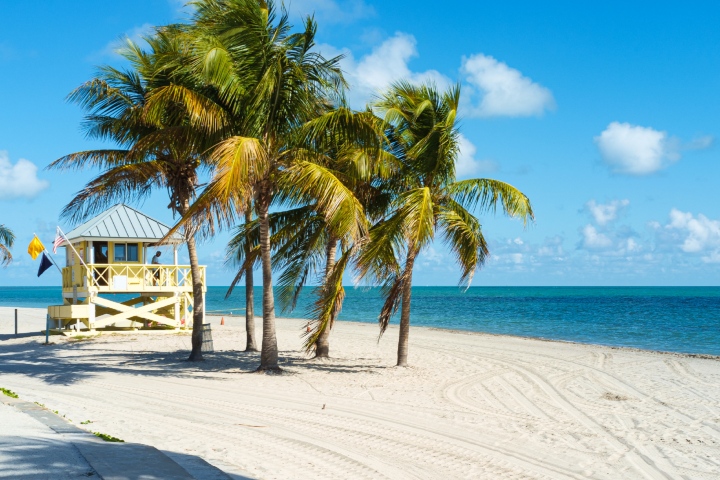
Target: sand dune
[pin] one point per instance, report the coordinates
(471, 406)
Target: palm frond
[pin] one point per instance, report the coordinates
(343, 213)
(417, 209)
(462, 234)
(101, 159)
(7, 239)
(485, 194)
(5, 256)
(125, 183)
(201, 112)
(330, 297)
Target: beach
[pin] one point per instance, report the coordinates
(471, 405)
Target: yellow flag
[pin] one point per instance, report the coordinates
(35, 248)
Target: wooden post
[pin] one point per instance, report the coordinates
(177, 310)
(91, 314)
(175, 260)
(47, 329)
(16, 322)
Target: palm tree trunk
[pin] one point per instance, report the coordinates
(198, 301)
(322, 345)
(197, 284)
(269, 353)
(405, 311)
(249, 293)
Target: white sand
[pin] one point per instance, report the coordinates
(471, 406)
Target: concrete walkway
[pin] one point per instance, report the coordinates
(37, 444)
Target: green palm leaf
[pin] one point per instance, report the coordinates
(486, 194)
(7, 239)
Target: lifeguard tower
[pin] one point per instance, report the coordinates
(109, 281)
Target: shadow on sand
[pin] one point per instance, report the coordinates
(65, 362)
(11, 336)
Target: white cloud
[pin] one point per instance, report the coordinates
(518, 251)
(19, 180)
(385, 64)
(604, 238)
(332, 11)
(714, 257)
(700, 233)
(505, 91)
(695, 235)
(592, 239)
(433, 257)
(436, 259)
(636, 150)
(605, 213)
(615, 243)
(467, 166)
(552, 247)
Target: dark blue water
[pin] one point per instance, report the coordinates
(679, 319)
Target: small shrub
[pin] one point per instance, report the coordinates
(9, 393)
(107, 438)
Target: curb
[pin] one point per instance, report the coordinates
(117, 461)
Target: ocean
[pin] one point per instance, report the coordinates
(676, 319)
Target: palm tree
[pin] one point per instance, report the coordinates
(250, 345)
(165, 153)
(424, 139)
(304, 244)
(273, 89)
(301, 246)
(7, 239)
(295, 236)
(243, 253)
(367, 174)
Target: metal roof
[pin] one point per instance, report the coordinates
(121, 222)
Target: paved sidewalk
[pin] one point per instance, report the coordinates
(37, 444)
(30, 450)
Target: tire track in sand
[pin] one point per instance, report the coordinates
(507, 461)
(642, 463)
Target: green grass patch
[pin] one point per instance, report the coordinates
(107, 438)
(86, 422)
(8, 393)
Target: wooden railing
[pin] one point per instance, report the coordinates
(130, 278)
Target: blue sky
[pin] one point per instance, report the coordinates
(605, 115)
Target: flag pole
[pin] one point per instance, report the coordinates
(53, 261)
(71, 246)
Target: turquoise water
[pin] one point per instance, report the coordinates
(679, 319)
